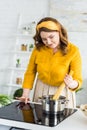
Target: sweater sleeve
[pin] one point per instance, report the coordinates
(76, 66)
(30, 73)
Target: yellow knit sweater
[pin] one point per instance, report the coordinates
(51, 67)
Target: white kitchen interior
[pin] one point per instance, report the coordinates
(18, 19)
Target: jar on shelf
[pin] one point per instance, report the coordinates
(23, 47)
(18, 80)
(33, 27)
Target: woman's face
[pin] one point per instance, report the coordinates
(50, 39)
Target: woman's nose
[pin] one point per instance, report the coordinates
(48, 41)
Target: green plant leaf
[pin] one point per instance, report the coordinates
(79, 90)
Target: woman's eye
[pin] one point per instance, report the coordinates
(43, 39)
(51, 37)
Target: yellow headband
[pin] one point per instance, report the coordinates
(48, 24)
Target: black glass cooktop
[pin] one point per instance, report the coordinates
(32, 113)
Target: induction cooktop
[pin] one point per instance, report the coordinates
(33, 113)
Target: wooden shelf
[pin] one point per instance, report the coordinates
(15, 85)
(16, 68)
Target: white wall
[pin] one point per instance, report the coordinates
(72, 14)
(10, 11)
(80, 39)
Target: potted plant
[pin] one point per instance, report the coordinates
(4, 100)
(31, 47)
(18, 63)
(78, 90)
(18, 93)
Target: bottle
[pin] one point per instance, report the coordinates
(33, 26)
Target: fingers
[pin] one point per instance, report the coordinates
(26, 100)
(23, 99)
(68, 80)
(68, 77)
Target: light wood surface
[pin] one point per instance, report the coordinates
(61, 87)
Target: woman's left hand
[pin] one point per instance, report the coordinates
(70, 83)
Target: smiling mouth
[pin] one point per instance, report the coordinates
(50, 45)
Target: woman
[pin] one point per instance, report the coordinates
(52, 59)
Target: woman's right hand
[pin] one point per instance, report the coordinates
(25, 96)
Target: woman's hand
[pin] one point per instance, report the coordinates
(25, 96)
(23, 99)
(70, 83)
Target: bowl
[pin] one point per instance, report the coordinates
(83, 107)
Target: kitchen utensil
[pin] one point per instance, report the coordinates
(49, 120)
(51, 106)
(61, 87)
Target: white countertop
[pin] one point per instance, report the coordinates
(77, 121)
